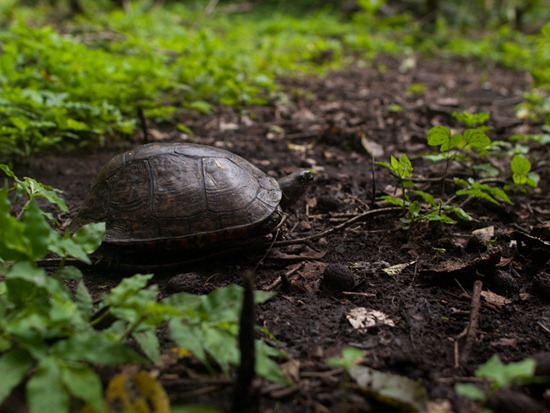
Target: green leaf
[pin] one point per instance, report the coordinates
(470, 390)
(126, 289)
(427, 197)
(45, 389)
(96, 348)
(441, 136)
(401, 167)
(459, 212)
(437, 216)
(69, 272)
(14, 364)
(476, 138)
(471, 119)
(351, 356)
(89, 236)
(7, 170)
(520, 165)
(83, 383)
(503, 375)
(33, 189)
(84, 300)
(266, 367)
(393, 200)
(13, 243)
(67, 247)
(37, 230)
(149, 344)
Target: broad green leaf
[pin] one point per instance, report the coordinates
(45, 389)
(84, 300)
(37, 230)
(460, 213)
(441, 136)
(503, 375)
(427, 197)
(266, 367)
(67, 247)
(14, 364)
(520, 165)
(470, 390)
(33, 189)
(90, 236)
(23, 277)
(496, 192)
(476, 193)
(96, 348)
(437, 216)
(471, 119)
(7, 170)
(393, 200)
(149, 344)
(475, 138)
(126, 289)
(188, 336)
(83, 383)
(13, 243)
(69, 272)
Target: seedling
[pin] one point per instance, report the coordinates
(467, 148)
(499, 376)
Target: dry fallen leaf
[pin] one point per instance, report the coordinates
(364, 318)
(495, 299)
(397, 268)
(391, 389)
(374, 149)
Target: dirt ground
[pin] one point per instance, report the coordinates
(326, 124)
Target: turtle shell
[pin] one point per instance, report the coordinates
(181, 196)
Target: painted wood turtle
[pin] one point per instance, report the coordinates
(185, 199)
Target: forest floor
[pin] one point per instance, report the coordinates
(328, 124)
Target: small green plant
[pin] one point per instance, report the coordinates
(402, 169)
(469, 148)
(51, 337)
(498, 376)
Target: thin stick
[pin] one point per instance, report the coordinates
(338, 227)
(470, 332)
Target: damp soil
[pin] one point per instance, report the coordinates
(335, 125)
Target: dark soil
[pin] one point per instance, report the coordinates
(320, 124)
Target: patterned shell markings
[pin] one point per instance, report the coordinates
(190, 195)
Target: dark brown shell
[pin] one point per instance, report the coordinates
(181, 195)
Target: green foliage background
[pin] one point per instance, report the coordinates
(79, 79)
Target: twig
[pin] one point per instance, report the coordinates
(471, 329)
(338, 227)
(242, 394)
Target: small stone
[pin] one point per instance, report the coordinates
(337, 278)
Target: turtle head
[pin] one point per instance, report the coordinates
(294, 185)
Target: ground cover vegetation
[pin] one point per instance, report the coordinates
(86, 80)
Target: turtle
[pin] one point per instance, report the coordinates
(178, 202)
